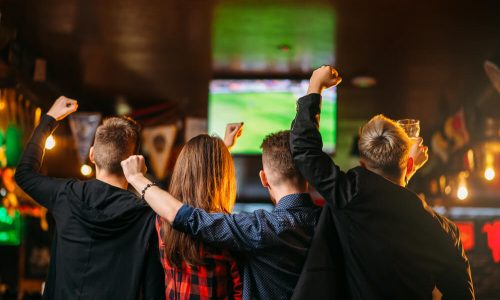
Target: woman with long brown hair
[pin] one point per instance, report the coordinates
(203, 177)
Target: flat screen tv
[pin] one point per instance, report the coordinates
(265, 106)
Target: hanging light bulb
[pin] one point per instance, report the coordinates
(50, 143)
(462, 192)
(86, 170)
(489, 173)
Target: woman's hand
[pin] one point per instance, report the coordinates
(133, 166)
(233, 132)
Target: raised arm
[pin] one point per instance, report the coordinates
(233, 132)
(39, 187)
(160, 201)
(242, 232)
(305, 139)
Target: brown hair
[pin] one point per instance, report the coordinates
(115, 140)
(276, 156)
(384, 145)
(203, 177)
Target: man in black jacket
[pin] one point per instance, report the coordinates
(375, 239)
(105, 246)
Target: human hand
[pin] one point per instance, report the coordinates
(418, 155)
(322, 78)
(233, 132)
(133, 166)
(62, 107)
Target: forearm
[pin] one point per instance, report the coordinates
(159, 200)
(27, 172)
(306, 146)
(237, 232)
(32, 157)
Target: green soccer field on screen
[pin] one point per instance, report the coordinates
(265, 106)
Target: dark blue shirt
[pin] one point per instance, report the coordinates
(273, 245)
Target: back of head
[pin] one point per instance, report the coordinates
(278, 161)
(115, 140)
(384, 146)
(203, 177)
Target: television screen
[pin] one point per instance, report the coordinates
(265, 106)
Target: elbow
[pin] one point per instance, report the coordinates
(19, 176)
(23, 176)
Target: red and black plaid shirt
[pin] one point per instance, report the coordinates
(217, 278)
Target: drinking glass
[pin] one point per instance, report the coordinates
(411, 127)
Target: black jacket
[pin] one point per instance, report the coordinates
(374, 239)
(105, 245)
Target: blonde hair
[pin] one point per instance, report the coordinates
(384, 146)
(203, 177)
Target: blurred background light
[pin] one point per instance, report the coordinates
(86, 170)
(50, 143)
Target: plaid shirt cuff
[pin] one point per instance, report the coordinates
(182, 218)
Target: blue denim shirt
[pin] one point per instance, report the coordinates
(273, 245)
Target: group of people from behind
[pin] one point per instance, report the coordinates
(373, 239)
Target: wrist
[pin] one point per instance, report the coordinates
(137, 179)
(52, 115)
(314, 89)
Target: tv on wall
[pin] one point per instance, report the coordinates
(265, 106)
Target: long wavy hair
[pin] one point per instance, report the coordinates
(203, 177)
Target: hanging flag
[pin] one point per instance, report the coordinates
(157, 143)
(493, 73)
(83, 127)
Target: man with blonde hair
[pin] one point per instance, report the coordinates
(375, 239)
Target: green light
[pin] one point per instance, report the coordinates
(4, 216)
(10, 228)
(13, 145)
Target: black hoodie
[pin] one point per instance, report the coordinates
(105, 245)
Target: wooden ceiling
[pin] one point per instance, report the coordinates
(426, 56)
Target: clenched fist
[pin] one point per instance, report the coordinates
(233, 132)
(62, 107)
(133, 166)
(323, 78)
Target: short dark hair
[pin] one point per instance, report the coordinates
(115, 140)
(276, 155)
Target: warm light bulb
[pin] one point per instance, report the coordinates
(86, 170)
(50, 143)
(489, 173)
(462, 192)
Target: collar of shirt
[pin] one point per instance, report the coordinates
(294, 200)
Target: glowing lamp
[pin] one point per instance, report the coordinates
(462, 192)
(50, 143)
(86, 170)
(489, 173)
